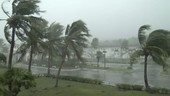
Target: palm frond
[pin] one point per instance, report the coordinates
(7, 33)
(77, 27)
(67, 29)
(161, 39)
(135, 56)
(158, 55)
(141, 34)
(22, 50)
(26, 7)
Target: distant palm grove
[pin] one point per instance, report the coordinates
(59, 44)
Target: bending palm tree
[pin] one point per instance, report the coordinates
(33, 40)
(151, 47)
(19, 22)
(52, 43)
(74, 41)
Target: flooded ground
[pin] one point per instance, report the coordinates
(110, 77)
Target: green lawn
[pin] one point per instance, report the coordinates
(45, 87)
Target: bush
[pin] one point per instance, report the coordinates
(137, 87)
(155, 90)
(82, 80)
(129, 87)
(14, 79)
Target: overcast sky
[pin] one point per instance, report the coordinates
(107, 19)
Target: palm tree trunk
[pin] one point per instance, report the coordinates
(59, 70)
(49, 63)
(145, 73)
(11, 49)
(30, 61)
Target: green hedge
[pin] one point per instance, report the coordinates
(73, 78)
(82, 80)
(154, 90)
(129, 87)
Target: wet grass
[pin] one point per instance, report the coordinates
(45, 87)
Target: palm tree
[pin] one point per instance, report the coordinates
(163, 42)
(151, 46)
(19, 22)
(33, 40)
(75, 40)
(52, 43)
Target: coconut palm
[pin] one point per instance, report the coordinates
(53, 42)
(151, 47)
(19, 22)
(33, 40)
(75, 40)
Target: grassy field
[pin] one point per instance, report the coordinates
(45, 87)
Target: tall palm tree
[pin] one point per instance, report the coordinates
(53, 42)
(19, 22)
(33, 40)
(151, 47)
(75, 40)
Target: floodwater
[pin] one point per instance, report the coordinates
(110, 77)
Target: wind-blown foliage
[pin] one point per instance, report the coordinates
(155, 46)
(135, 56)
(75, 40)
(20, 22)
(53, 42)
(15, 79)
(33, 40)
(142, 35)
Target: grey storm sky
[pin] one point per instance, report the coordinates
(107, 19)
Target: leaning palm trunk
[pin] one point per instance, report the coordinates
(10, 59)
(11, 49)
(30, 61)
(145, 73)
(59, 70)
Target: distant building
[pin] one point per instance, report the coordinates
(111, 51)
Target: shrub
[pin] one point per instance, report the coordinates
(137, 87)
(14, 79)
(129, 87)
(82, 80)
(155, 90)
